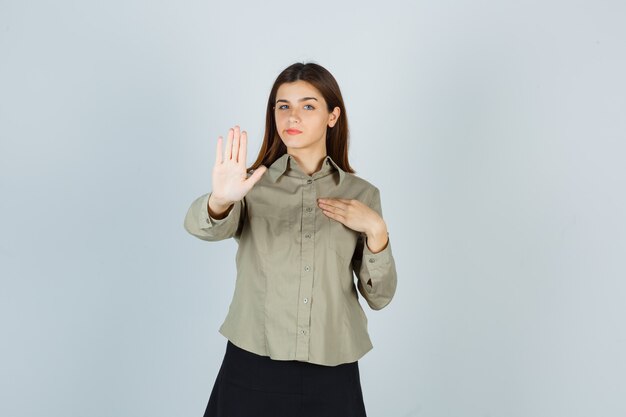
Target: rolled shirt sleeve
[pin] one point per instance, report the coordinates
(200, 224)
(376, 272)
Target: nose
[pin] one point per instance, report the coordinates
(294, 117)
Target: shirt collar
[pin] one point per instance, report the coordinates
(279, 167)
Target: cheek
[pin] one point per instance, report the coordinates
(320, 123)
(280, 118)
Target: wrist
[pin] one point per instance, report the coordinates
(218, 202)
(377, 237)
(217, 208)
(377, 231)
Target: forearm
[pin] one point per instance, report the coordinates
(376, 273)
(217, 209)
(377, 237)
(200, 223)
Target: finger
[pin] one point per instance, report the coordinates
(229, 145)
(333, 202)
(236, 143)
(334, 216)
(243, 148)
(218, 151)
(256, 175)
(339, 201)
(324, 205)
(330, 208)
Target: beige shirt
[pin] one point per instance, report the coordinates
(295, 296)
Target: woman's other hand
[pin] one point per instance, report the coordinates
(359, 217)
(230, 182)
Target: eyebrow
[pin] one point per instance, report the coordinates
(302, 99)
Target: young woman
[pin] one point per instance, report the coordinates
(305, 225)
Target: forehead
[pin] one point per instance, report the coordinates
(298, 89)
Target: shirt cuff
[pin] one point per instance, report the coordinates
(206, 221)
(379, 259)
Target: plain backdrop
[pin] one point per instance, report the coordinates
(495, 131)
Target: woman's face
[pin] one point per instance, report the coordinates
(301, 107)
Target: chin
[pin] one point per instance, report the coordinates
(294, 144)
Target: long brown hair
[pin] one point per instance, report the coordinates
(319, 77)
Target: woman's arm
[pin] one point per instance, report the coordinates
(375, 271)
(372, 261)
(219, 214)
(218, 210)
(200, 223)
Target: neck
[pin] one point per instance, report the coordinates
(309, 161)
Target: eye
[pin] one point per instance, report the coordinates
(283, 106)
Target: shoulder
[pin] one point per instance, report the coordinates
(361, 189)
(354, 180)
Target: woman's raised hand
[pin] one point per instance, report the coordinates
(230, 182)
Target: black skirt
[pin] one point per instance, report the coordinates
(250, 385)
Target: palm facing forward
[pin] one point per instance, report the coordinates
(230, 182)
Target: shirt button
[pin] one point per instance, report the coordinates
(309, 181)
(308, 235)
(306, 300)
(303, 331)
(372, 260)
(307, 268)
(309, 209)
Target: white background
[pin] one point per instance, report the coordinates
(494, 129)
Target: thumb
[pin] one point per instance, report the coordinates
(256, 175)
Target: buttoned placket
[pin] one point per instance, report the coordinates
(309, 203)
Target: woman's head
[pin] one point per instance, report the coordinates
(321, 117)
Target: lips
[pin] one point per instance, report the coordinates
(293, 131)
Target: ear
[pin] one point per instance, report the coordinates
(333, 116)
